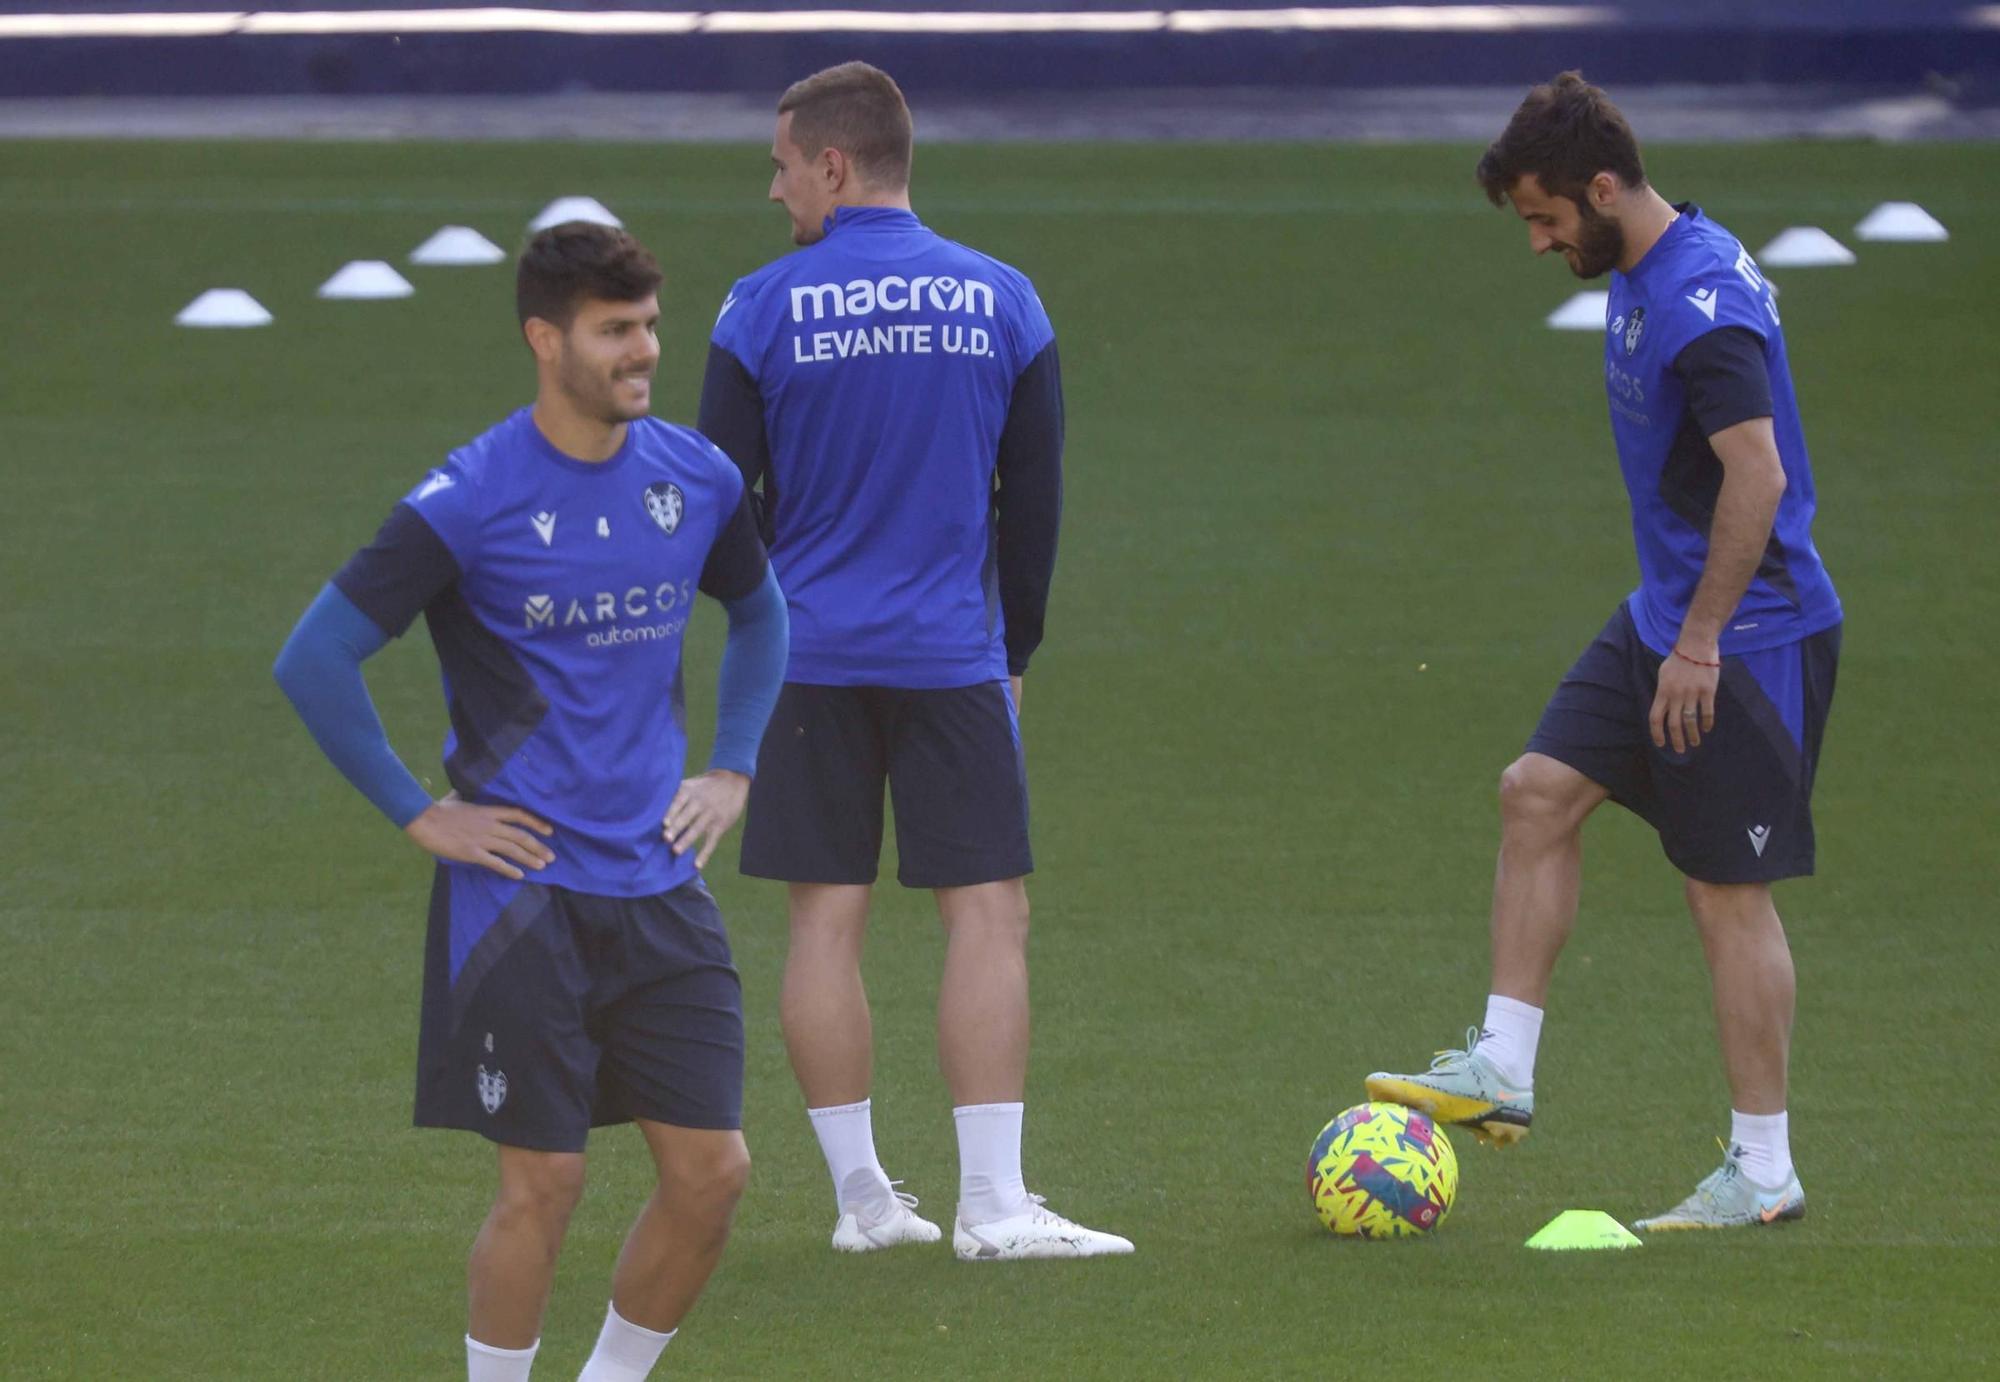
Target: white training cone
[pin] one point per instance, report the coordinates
(366, 278)
(1904, 221)
(224, 307)
(574, 209)
(457, 245)
(1804, 247)
(1584, 312)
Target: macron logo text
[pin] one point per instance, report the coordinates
(861, 296)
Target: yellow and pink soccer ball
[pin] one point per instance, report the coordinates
(1382, 1171)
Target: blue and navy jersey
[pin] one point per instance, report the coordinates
(884, 361)
(557, 592)
(1671, 324)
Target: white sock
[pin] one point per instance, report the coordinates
(1763, 1145)
(989, 1162)
(625, 1351)
(847, 1138)
(1512, 1032)
(485, 1363)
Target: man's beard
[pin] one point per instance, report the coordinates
(595, 397)
(1599, 245)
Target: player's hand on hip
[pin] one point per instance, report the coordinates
(500, 838)
(703, 810)
(1684, 705)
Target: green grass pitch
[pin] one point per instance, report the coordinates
(1340, 512)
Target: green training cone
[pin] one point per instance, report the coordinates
(1583, 1228)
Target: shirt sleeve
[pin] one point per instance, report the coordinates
(1726, 378)
(1029, 327)
(751, 675)
(733, 331)
(448, 500)
(320, 672)
(1028, 502)
(736, 560)
(732, 414)
(396, 576)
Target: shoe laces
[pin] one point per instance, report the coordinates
(1038, 1209)
(1453, 1059)
(873, 1216)
(1718, 1181)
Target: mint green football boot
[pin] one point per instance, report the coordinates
(1462, 1088)
(1728, 1199)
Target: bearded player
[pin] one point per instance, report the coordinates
(1701, 703)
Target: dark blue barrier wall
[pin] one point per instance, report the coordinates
(1845, 42)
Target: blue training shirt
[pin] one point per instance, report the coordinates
(557, 592)
(1697, 280)
(885, 358)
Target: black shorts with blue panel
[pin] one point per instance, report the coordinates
(1738, 807)
(548, 1012)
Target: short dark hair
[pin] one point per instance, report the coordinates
(859, 110)
(1565, 133)
(567, 265)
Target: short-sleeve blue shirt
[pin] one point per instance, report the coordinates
(1696, 279)
(886, 358)
(560, 639)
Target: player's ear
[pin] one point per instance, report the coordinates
(544, 338)
(835, 170)
(1603, 190)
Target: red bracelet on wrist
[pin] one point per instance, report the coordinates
(1695, 660)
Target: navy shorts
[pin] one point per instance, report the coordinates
(951, 759)
(1737, 809)
(549, 1012)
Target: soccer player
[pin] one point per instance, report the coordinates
(1700, 705)
(577, 972)
(899, 398)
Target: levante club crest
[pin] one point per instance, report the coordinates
(492, 1089)
(666, 504)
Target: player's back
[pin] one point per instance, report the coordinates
(885, 357)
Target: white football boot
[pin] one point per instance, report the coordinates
(1037, 1231)
(1728, 1199)
(870, 1228)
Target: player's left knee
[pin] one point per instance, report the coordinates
(716, 1175)
(996, 909)
(545, 1186)
(1729, 904)
(1010, 916)
(731, 1175)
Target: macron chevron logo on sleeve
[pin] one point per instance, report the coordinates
(439, 480)
(727, 303)
(1705, 300)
